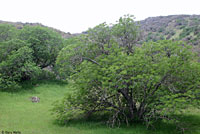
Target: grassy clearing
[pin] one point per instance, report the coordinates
(17, 112)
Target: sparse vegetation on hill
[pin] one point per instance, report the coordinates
(174, 27)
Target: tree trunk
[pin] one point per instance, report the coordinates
(131, 104)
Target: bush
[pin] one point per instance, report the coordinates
(25, 52)
(154, 81)
(44, 42)
(157, 81)
(7, 32)
(16, 64)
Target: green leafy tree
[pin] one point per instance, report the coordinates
(7, 32)
(88, 47)
(44, 42)
(154, 81)
(69, 57)
(24, 52)
(126, 33)
(158, 80)
(16, 64)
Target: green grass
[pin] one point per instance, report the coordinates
(18, 113)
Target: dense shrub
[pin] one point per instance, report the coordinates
(16, 64)
(7, 32)
(44, 42)
(129, 83)
(25, 52)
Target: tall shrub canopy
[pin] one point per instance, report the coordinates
(115, 76)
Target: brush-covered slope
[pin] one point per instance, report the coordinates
(174, 27)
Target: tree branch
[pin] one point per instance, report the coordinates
(91, 60)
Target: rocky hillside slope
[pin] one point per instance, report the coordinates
(174, 27)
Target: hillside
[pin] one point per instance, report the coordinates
(173, 27)
(20, 25)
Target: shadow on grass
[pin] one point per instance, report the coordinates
(29, 86)
(192, 123)
(160, 127)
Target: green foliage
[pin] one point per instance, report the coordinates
(126, 31)
(100, 35)
(154, 81)
(24, 52)
(7, 32)
(92, 45)
(44, 42)
(16, 64)
(158, 79)
(69, 57)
